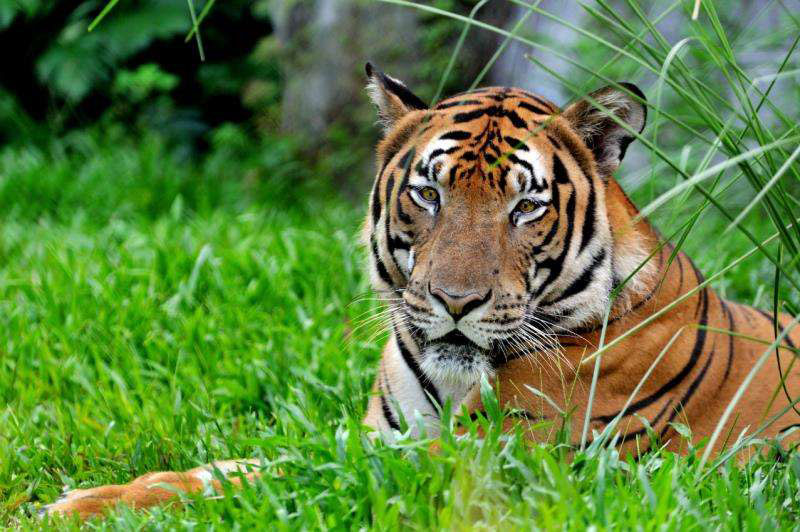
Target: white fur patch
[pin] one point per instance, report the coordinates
(536, 160)
(203, 475)
(456, 369)
(626, 260)
(410, 264)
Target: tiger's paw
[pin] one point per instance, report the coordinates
(154, 488)
(83, 502)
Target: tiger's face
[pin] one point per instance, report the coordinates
(487, 221)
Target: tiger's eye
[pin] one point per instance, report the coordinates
(429, 194)
(525, 206)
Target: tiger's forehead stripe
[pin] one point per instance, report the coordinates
(512, 104)
(472, 138)
(480, 132)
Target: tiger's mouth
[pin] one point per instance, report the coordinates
(454, 359)
(456, 338)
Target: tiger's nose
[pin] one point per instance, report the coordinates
(459, 306)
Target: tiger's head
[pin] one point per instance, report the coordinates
(488, 224)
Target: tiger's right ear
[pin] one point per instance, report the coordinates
(392, 98)
(604, 135)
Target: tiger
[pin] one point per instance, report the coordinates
(509, 254)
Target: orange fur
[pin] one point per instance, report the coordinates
(156, 488)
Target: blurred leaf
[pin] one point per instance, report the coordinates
(143, 82)
(78, 62)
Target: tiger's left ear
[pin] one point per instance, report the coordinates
(606, 137)
(391, 96)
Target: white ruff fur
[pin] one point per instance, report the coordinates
(627, 258)
(454, 370)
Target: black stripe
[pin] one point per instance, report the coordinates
(401, 213)
(688, 395)
(376, 203)
(439, 151)
(588, 219)
(501, 180)
(700, 277)
(406, 164)
(387, 202)
(787, 427)
(516, 120)
(445, 105)
(388, 415)
(405, 161)
(431, 394)
(581, 283)
(525, 164)
(533, 108)
(577, 153)
(559, 171)
(556, 202)
(696, 382)
(555, 265)
(492, 111)
(515, 143)
(544, 104)
(395, 242)
(382, 273)
(731, 327)
(452, 176)
(469, 116)
(456, 135)
(701, 300)
(554, 142)
(387, 412)
(697, 350)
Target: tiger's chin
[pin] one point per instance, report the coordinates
(455, 362)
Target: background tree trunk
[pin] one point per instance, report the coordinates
(326, 44)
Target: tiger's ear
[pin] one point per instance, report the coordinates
(392, 98)
(602, 134)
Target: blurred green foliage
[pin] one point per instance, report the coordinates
(135, 67)
(138, 74)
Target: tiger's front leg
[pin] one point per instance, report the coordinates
(153, 489)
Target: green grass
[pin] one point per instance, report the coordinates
(191, 316)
